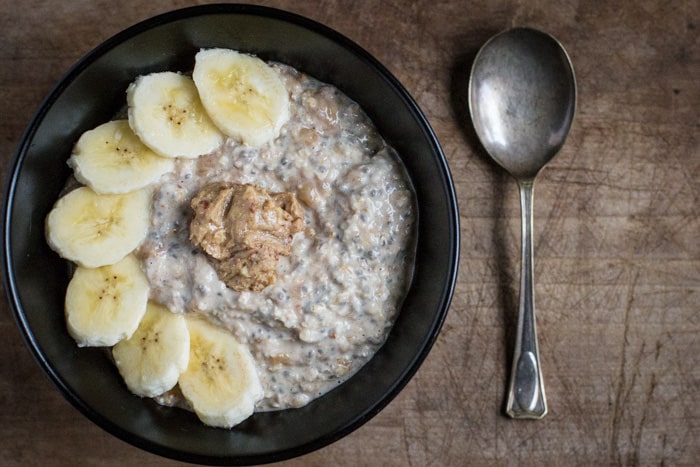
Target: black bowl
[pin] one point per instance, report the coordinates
(90, 94)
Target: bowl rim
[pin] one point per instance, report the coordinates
(69, 76)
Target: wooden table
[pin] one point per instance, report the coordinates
(617, 239)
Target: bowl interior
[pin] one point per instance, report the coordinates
(90, 94)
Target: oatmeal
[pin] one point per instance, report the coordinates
(342, 274)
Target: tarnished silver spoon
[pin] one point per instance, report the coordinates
(522, 99)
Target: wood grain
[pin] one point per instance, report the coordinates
(617, 239)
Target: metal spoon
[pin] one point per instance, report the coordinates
(522, 99)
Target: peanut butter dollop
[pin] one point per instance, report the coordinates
(244, 229)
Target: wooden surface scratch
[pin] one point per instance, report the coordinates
(617, 239)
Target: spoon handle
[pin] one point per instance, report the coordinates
(526, 397)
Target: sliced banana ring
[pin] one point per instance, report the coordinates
(151, 360)
(165, 111)
(95, 230)
(244, 96)
(221, 381)
(105, 305)
(112, 159)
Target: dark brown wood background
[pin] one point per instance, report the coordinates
(617, 238)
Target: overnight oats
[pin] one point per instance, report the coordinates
(295, 239)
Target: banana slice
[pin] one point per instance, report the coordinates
(151, 360)
(244, 96)
(97, 230)
(112, 159)
(105, 305)
(221, 381)
(166, 113)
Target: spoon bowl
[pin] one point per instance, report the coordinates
(522, 97)
(522, 100)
